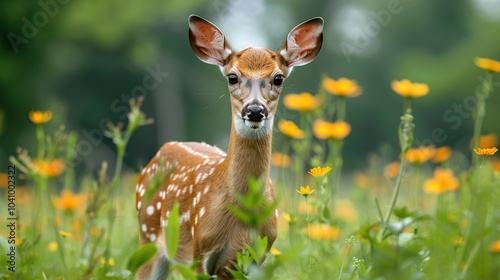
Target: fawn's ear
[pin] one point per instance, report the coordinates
(303, 43)
(208, 42)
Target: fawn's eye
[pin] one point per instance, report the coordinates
(278, 80)
(232, 79)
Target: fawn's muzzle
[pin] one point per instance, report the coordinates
(254, 112)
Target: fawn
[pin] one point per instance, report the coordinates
(205, 179)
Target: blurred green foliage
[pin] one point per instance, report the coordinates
(83, 60)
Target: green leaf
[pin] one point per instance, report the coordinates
(172, 231)
(141, 256)
(186, 272)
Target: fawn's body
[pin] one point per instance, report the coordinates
(205, 179)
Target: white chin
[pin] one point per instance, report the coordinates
(254, 125)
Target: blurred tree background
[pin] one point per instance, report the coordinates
(83, 60)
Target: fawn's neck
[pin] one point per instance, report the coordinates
(246, 158)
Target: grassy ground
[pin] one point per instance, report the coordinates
(424, 213)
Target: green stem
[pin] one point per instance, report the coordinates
(482, 94)
(394, 197)
(341, 109)
(52, 222)
(120, 148)
(40, 137)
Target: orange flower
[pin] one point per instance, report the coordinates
(486, 151)
(495, 247)
(4, 180)
(488, 140)
(487, 64)
(341, 87)
(335, 130)
(392, 169)
(410, 90)
(280, 160)
(303, 102)
(48, 168)
(495, 164)
(319, 171)
(442, 182)
(39, 117)
(361, 179)
(419, 155)
(442, 154)
(68, 201)
(345, 210)
(290, 129)
(322, 232)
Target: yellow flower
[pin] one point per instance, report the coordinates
(486, 151)
(39, 117)
(290, 129)
(341, 87)
(303, 102)
(322, 232)
(290, 219)
(305, 191)
(275, 251)
(419, 155)
(487, 64)
(48, 168)
(410, 90)
(280, 160)
(64, 233)
(458, 241)
(495, 247)
(391, 170)
(319, 171)
(335, 130)
(52, 246)
(442, 182)
(111, 261)
(442, 154)
(68, 201)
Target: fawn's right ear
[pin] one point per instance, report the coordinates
(208, 42)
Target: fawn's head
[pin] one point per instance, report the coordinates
(255, 75)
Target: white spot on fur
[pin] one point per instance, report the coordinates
(150, 210)
(144, 228)
(158, 205)
(139, 204)
(185, 217)
(202, 211)
(152, 237)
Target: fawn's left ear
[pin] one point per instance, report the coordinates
(208, 42)
(303, 43)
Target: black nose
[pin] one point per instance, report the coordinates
(255, 113)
